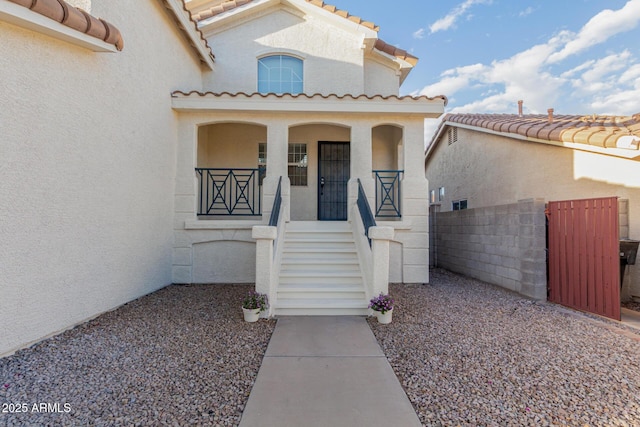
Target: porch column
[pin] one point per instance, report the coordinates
(380, 238)
(415, 205)
(361, 164)
(265, 284)
(277, 151)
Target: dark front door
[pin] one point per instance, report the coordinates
(333, 175)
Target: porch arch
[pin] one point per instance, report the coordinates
(228, 171)
(387, 141)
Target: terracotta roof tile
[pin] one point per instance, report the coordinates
(195, 27)
(232, 4)
(75, 18)
(394, 51)
(179, 93)
(600, 131)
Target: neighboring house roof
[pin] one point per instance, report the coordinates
(75, 18)
(615, 135)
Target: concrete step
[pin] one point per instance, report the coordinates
(320, 271)
(354, 291)
(321, 307)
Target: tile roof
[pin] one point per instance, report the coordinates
(622, 132)
(178, 93)
(75, 18)
(199, 35)
(225, 6)
(394, 51)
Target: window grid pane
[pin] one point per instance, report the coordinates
(280, 74)
(297, 164)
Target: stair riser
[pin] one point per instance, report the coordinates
(321, 294)
(322, 246)
(319, 236)
(321, 312)
(324, 281)
(319, 256)
(324, 267)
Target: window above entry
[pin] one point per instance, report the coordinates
(280, 74)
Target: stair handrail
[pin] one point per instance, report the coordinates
(277, 202)
(366, 215)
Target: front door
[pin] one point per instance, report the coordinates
(333, 175)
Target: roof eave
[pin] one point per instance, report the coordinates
(617, 152)
(191, 31)
(285, 103)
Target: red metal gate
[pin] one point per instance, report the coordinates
(584, 264)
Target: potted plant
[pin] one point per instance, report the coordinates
(382, 306)
(253, 304)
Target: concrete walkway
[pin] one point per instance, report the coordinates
(326, 371)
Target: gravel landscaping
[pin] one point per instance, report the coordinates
(467, 353)
(472, 354)
(180, 356)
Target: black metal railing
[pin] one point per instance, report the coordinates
(388, 187)
(229, 192)
(365, 211)
(277, 202)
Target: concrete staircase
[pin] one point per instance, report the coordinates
(320, 273)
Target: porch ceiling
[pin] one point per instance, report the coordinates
(406, 105)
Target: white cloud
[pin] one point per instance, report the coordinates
(448, 21)
(605, 85)
(623, 102)
(527, 11)
(419, 34)
(600, 28)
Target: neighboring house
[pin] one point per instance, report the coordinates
(132, 157)
(480, 161)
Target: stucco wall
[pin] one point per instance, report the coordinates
(333, 57)
(88, 164)
(490, 170)
(379, 78)
(230, 145)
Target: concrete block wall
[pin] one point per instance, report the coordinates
(504, 245)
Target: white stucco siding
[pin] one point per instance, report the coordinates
(87, 170)
(386, 141)
(230, 145)
(333, 57)
(490, 170)
(380, 79)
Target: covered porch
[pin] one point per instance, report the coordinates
(237, 152)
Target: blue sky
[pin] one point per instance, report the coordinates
(576, 56)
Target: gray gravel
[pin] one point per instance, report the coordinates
(468, 353)
(180, 356)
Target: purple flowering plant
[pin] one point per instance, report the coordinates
(255, 300)
(381, 303)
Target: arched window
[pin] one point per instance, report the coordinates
(280, 74)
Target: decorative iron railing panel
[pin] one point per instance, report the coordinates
(229, 192)
(365, 211)
(388, 193)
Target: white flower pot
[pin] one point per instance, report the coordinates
(384, 318)
(251, 315)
